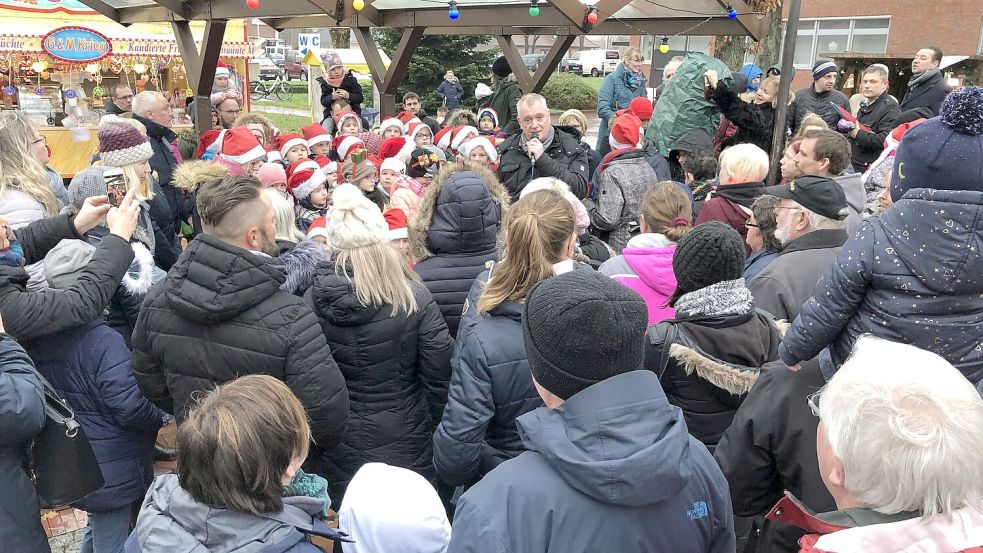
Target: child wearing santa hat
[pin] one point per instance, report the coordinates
(481, 151)
(344, 146)
(348, 123)
(390, 128)
(240, 152)
(410, 188)
(318, 233)
(399, 237)
(292, 147)
(459, 137)
(307, 184)
(390, 172)
(318, 140)
(420, 134)
(224, 87)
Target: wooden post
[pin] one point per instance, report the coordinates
(784, 86)
(200, 65)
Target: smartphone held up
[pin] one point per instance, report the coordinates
(115, 186)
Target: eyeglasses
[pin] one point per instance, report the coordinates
(813, 401)
(752, 225)
(42, 139)
(791, 207)
(232, 112)
(130, 97)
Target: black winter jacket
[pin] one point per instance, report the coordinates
(219, 315)
(881, 116)
(490, 386)
(754, 121)
(712, 363)
(348, 84)
(32, 315)
(929, 94)
(565, 159)
(163, 163)
(396, 369)
(454, 234)
(808, 100)
(21, 418)
(771, 447)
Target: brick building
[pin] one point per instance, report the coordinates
(856, 34)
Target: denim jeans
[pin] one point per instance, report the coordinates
(106, 532)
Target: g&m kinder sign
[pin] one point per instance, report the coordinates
(76, 44)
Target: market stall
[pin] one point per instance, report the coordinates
(59, 62)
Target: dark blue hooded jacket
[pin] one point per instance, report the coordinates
(912, 275)
(612, 469)
(89, 366)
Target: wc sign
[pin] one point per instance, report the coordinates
(308, 40)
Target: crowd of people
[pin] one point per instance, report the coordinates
(477, 333)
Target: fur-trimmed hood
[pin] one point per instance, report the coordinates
(461, 212)
(192, 174)
(299, 266)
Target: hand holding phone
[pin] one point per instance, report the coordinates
(115, 185)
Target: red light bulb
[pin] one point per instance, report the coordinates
(592, 17)
(252, 4)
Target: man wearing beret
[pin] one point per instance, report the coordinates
(610, 464)
(811, 217)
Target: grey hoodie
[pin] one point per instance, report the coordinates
(612, 469)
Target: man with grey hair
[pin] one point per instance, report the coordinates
(151, 109)
(541, 150)
(898, 446)
(810, 216)
(877, 117)
(220, 314)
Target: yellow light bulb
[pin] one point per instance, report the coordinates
(664, 48)
(358, 5)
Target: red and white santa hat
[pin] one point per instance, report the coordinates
(221, 70)
(391, 122)
(303, 177)
(318, 228)
(415, 128)
(460, 135)
(315, 134)
(391, 146)
(393, 164)
(211, 143)
(331, 169)
(273, 155)
(239, 145)
(346, 116)
(345, 145)
(625, 132)
(396, 218)
(482, 142)
(286, 141)
(406, 118)
(442, 139)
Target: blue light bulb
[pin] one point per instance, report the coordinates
(731, 12)
(453, 13)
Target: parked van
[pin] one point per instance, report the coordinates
(597, 62)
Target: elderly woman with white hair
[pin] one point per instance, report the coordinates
(899, 441)
(743, 169)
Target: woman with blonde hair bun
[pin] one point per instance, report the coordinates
(491, 383)
(645, 265)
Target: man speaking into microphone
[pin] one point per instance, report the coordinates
(541, 150)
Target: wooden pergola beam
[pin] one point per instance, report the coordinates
(607, 8)
(549, 63)
(388, 80)
(514, 58)
(200, 65)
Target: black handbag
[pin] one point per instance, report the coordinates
(60, 459)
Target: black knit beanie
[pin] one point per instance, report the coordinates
(580, 328)
(710, 253)
(500, 67)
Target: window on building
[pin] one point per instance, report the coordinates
(835, 35)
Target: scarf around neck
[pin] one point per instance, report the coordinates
(336, 82)
(546, 140)
(921, 78)
(634, 80)
(729, 297)
(406, 181)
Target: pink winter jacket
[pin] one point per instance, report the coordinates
(645, 266)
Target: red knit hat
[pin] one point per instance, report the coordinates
(625, 131)
(304, 176)
(442, 139)
(397, 223)
(315, 134)
(640, 107)
(318, 227)
(240, 146)
(345, 145)
(391, 146)
(221, 69)
(286, 141)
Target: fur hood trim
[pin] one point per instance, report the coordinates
(420, 224)
(735, 379)
(192, 174)
(142, 274)
(300, 264)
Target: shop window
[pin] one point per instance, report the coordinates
(836, 35)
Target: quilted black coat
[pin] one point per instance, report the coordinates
(219, 315)
(396, 369)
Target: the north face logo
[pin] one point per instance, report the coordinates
(699, 510)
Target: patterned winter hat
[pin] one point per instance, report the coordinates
(304, 176)
(345, 145)
(331, 59)
(240, 146)
(423, 163)
(121, 144)
(315, 134)
(286, 141)
(490, 113)
(354, 221)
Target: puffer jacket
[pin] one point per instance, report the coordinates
(614, 95)
(624, 177)
(907, 276)
(32, 315)
(808, 101)
(21, 418)
(89, 367)
(491, 385)
(20, 209)
(612, 469)
(300, 264)
(396, 369)
(454, 235)
(171, 520)
(219, 315)
(565, 159)
(645, 266)
(349, 84)
(712, 364)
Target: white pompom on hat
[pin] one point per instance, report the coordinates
(354, 221)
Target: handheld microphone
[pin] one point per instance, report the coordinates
(534, 136)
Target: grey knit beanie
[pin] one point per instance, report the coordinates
(587, 304)
(87, 183)
(121, 144)
(65, 261)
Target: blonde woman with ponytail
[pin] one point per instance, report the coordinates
(389, 339)
(491, 383)
(645, 265)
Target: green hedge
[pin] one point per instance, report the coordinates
(568, 91)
